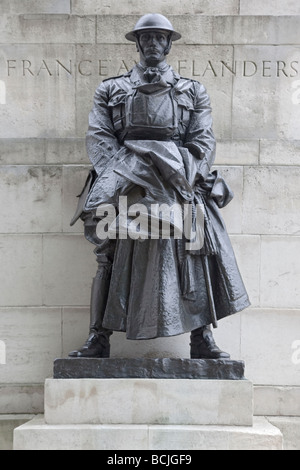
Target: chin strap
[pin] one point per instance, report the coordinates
(168, 48)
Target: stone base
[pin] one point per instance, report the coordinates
(150, 413)
(290, 429)
(148, 368)
(8, 423)
(148, 401)
(37, 435)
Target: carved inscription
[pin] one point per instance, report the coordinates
(194, 68)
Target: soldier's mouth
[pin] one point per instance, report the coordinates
(152, 51)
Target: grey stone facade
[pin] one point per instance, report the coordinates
(53, 54)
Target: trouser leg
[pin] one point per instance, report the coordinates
(99, 294)
(97, 344)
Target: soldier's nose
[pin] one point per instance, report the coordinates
(152, 40)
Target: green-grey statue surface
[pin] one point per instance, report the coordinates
(150, 141)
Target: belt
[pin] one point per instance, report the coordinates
(158, 138)
(140, 137)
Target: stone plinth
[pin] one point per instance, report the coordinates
(148, 401)
(148, 368)
(150, 413)
(37, 435)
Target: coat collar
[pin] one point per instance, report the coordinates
(136, 75)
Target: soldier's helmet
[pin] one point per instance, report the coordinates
(153, 21)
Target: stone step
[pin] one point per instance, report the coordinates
(149, 401)
(8, 422)
(290, 429)
(37, 435)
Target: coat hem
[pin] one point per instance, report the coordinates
(237, 307)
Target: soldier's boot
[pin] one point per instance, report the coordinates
(97, 344)
(203, 345)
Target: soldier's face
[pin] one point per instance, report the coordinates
(153, 44)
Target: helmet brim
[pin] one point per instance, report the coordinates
(132, 35)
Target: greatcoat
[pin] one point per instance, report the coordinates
(154, 144)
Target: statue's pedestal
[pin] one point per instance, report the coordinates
(140, 413)
(148, 368)
(148, 401)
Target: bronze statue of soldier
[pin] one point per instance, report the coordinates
(150, 139)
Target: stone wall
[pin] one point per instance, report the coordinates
(53, 54)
